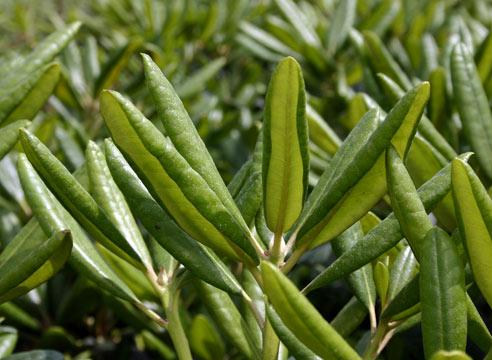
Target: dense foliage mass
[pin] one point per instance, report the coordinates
(229, 179)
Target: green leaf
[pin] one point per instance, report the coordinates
(360, 281)
(26, 87)
(385, 235)
(204, 340)
(19, 317)
(265, 39)
(341, 24)
(44, 52)
(8, 340)
(442, 294)
(423, 162)
(246, 185)
(355, 180)
(320, 133)
(75, 198)
(394, 92)
(28, 97)
(473, 105)
(134, 278)
(403, 269)
(301, 317)
(185, 194)
(438, 98)
(381, 16)
(381, 60)
(349, 317)
(227, 317)
(184, 137)
(195, 257)
(197, 81)
(9, 135)
(483, 58)
(115, 64)
(406, 204)
(256, 300)
(406, 301)
(299, 21)
(285, 154)
(53, 217)
(477, 331)
(29, 267)
(296, 348)
(113, 203)
(381, 280)
(474, 211)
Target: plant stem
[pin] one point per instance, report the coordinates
(170, 301)
(293, 259)
(380, 339)
(276, 255)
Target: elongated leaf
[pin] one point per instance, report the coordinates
(422, 163)
(115, 64)
(184, 193)
(267, 40)
(350, 317)
(204, 340)
(44, 52)
(361, 175)
(343, 19)
(299, 21)
(75, 198)
(226, 316)
(256, 296)
(197, 81)
(246, 186)
(406, 204)
(182, 133)
(477, 331)
(296, 348)
(474, 209)
(9, 135)
(381, 16)
(25, 88)
(53, 217)
(320, 133)
(473, 105)
(394, 92)
(351, 145)
(402, 271)
(385, 235)
(8, 340)
(30, 267)
(194, 256)
(19, 317)
(361, 281)
(285, 154)
(300, 316)
(382, 62)
(484, 58)
(112, 201)
(442, 294)
(29, 96)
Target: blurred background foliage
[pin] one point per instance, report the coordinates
(219, 56)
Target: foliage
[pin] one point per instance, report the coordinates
(266, 180)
